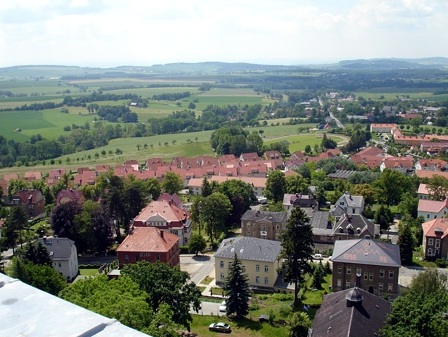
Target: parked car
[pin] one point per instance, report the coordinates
(317, 257)
(223, 306)
(220, 327)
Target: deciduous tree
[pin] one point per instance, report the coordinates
(275, 186)
(172, 183)
(214, 211)
(196, 244)
(166, 285)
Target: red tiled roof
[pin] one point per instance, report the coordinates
(29, 196)
(148, 239)
(431, 206)
(164, 209)
(430, 174)
(430, 227)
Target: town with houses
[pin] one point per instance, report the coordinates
(365, 258)
(365, 268)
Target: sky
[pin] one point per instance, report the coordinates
(109, 33)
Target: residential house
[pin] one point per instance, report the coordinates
(64, 255)
(321, 226)
(371, 265)
(431, 164)
(251, 156)
(347, 203)
(172, 198)
(298, 199)
(32, 176)
(71, 195)
(167, 217)
(149, 244)
(382, 128)
(5, 180)
(32, 201)
(85, 177)
(263, 224)
(435, 238)
(294, 164)
(429, 174)
(271, 155)
(423, 192)
(350, 312)
(400, 164)
(260, 259)
(432, 209)
(354, 226)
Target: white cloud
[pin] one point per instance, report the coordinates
(115, 32)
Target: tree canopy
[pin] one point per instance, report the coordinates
(166, 285)
(275, 186)
(420, 311)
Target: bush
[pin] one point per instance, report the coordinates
(285, 310)
(254, 307)
(184, 249)
(282, 297)
(441, 263)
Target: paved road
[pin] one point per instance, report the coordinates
(338, 122)
(197, 266)
(209, 308)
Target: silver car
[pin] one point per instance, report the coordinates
(220, 327)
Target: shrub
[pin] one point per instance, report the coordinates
(184, 249)
(282, 297)
(254, 307)
(284, 310)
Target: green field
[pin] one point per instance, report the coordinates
(391, 94)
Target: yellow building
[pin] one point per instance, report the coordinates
(259, 257)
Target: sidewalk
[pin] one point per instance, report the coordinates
(207, 292)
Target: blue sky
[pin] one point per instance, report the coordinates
(144, 32)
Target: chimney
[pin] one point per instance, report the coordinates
(161, 235)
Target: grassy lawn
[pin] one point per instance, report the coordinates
(243, 328)
(88, 271)
(207, 280)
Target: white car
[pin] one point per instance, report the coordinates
(223, 306)
(317, 257)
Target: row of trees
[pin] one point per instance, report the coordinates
(235, 140)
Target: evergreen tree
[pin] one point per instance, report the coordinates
(236, 287)
(406, 243)
(297, 248)
(206, 189)
(37, 253)
(318, 275)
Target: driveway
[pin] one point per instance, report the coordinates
(198, 267)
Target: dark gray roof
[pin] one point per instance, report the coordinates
(341, 174)
(366, 251)
(59, 248)
(298, 199)
(249, 248)
(360, 318)
(354, 224)
(253, 215)
(319, 219)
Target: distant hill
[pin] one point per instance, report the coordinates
(204, 68)
(392, 63)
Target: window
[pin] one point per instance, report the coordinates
(430, 242)
(390, 287)
(429, 251)
(427, 216)
(221, 276)
(391, 274)
(60, 265)
(349, 270)
(437, 243)
(366, 276)
(266, 269)
(221, 264)
(371, 277)
(248, 233)
(248, 225)
(341, 203)
(266, 280)
(257, 268)
(347, 284)
(126, 257)
(380, 286)
(257, 279)
(277, 227)
(381, 273)
(263, 228)
(339, 283)
(339, 269)
(358, 271)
